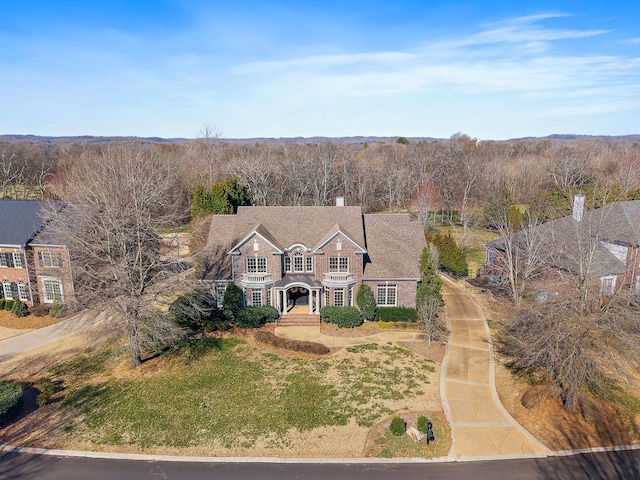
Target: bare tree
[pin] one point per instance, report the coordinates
(116, 203)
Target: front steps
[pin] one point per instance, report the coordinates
(298, 321)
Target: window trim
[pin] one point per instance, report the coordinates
(49, 259)
(45, 297)
(256, 264)
(383, 292)
(256, 293)
(298, 262)
(4, 259)
(23, 291)
(338, 264)
(20, 262)
(338, 292)
(309, 263)
(7, 291)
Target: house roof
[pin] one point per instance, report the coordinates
(394, 246)
(21, 220)
(393, 242)
(564, 241)
(306, 225)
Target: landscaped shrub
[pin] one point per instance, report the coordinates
(56, 310)
(398, 426)
(396, 314)
(19, 309)
(10, 395)
(8, 305)
(294, 345)
(451, 256)
(255, 317)
(344, 317)
(1, 303)
(216, 322)
(423, 423)
(46, 388)
(192, 309)
(366, 302)
(231, 302)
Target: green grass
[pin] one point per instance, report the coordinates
(233, 395)
(392, 446)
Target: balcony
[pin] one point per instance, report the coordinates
(338, 279)
(256, 280)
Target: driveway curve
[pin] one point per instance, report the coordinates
(480, 425)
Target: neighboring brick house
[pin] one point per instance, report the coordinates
(603, 244)
(34, 268)
(315, 256)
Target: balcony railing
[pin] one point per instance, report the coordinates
(339, 278)
(257, 278)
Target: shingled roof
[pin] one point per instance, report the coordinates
(393, 242)
(394, 245)
(21, 220)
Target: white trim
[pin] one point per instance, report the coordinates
(253, 232)
(57, 280)
(340, 232)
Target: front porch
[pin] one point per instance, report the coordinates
(297, 294)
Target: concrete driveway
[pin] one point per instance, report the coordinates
(36, 338)
(480, 425)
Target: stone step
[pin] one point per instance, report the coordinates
(298, 321)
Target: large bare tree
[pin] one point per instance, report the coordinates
(116, 202)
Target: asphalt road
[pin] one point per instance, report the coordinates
(606, 465)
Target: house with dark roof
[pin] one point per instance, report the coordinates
(299, 259)
(34, 267)
(602, 245)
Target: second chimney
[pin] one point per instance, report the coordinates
(578, 207)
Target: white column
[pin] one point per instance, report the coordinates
(310, 301)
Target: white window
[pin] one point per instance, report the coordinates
(298, 262)
(23, 291)
(6, 287)
(287, 264)
(326, 296)
(256, 264)
(387, 295)
(18, 260)
(4, 259)
(256, 298)
(52, 288)
(338, 297)
(607, 284)
(50, 259)
(220, 289)
(309, 263)
(338, 264)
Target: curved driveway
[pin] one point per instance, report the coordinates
(480, 425)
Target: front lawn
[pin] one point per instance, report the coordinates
(236, 399)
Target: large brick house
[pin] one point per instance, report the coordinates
(602, 245)
(34, 268)
(310, 257)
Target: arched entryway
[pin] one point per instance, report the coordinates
(298, 299)
(297, 296)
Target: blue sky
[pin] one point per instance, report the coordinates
(168, 68)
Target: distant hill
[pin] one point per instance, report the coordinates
(287, 140)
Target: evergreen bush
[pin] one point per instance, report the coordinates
(398, 426)
(19, 309)
(344, 317)
(193, 309)
(366, 302)
(422, 424)
(255, 317)
(231, 302)
(1, 303)
(451, 256)
(10, 395)
(396, 314)
(56, 310)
